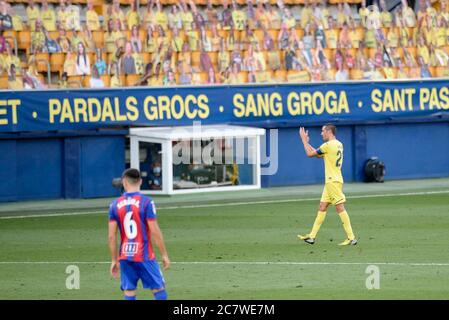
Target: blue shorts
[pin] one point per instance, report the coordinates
(147, 271)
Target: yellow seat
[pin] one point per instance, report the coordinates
(3, 82)
(57, 62)
(75, 81)
(42, 61)
(10, 35)
(146, 57)
(280, 75)
(434, 71)
(86, 81)
(296, 76)
(106, 80)
(196, 61)
(132, 80)
(53, 34)
(243, 76)
(213, 57)
(356, 74)
(24, 39)
(98, 37)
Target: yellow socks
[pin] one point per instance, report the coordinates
(347, 224)
(317, 224)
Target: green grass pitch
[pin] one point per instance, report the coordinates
(245, 251)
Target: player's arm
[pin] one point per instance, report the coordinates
(310, 151)
(112, 240)
(159, 240)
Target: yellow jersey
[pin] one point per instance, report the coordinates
(16, 84)
(49, 19)
(148, 19)
(92, 20)
(62, 17)
(17, 22)
(306, 16)
(409, 17)
(9, 60)
(332, 152)
(393, 38)
(275, 20)
(331, 38)
(161, 19)
(387, 19)
(239, 19)
(187, 19)
(177, 43)
(363, 13)
(33, 14)
(132, 19)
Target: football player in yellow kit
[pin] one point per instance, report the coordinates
(332, 153)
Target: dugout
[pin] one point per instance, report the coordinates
(196, 158)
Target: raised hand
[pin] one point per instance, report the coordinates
(304, 135)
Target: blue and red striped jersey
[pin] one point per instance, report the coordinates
(131, 212)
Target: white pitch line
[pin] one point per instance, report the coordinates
(228, 204)
(283, 263)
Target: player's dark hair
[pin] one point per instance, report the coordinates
(132, 175)
(331, 128)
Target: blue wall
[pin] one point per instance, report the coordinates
(60, 167)
(31, 170)
(419, 150)
(103, 159)
(411, 150)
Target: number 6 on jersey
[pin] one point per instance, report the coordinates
(130, 226)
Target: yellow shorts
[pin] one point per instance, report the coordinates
(333, 193)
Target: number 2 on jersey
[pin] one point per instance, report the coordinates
(130, 226)
(339, 155)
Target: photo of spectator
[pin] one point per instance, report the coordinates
(82, 61)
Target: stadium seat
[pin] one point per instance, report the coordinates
(213, 57)
(57, 62)
(86, 81)
(434, 71)
(24, 40)
(298, 76)
(356, 74)
(243, 76)
(106, 80)
(74, 84)
(98, 37)
(132, 80)
(329, 54)
(53, 35)
(196, 62)
(370, 52)
(146, 57)
(11, 37)
(300, 32)
(280, 75)
(264, 76)
(442, 71)
(3, 82)
(42, 61)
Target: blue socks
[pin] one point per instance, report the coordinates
(160, 295)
